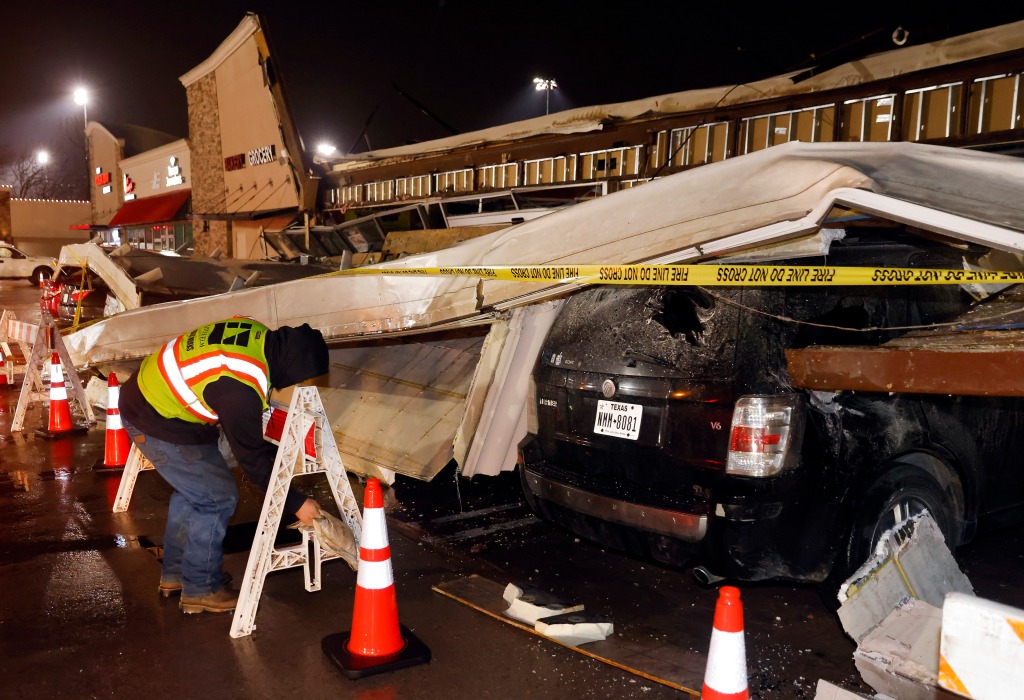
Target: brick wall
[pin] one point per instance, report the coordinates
(208, 196)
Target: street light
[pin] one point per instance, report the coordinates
(81, 96)
(42, 158)
(547, 85)
(326, 149)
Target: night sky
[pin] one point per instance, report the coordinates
(411, 69)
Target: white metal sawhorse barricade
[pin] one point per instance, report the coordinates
(305, 411)
(48, 340)
(11, 329)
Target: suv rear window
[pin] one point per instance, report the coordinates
(681, 329)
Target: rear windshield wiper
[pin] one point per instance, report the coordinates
(636, 355)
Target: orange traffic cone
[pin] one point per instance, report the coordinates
(377, 642)
(118, 444)
(725, 677)
(60, 409)
(3, 369)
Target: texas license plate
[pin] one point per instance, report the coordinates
(621, 420)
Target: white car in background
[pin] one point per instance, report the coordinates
(17, 265)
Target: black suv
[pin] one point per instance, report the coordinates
(663, 423)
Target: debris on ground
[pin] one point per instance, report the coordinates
(892, 607)
(900, 657)
(575, 628)
(827, 691)
(912, 560)
(528, 603)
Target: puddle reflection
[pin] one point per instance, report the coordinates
(19, 479)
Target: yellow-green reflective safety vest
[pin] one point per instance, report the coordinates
(173, 379)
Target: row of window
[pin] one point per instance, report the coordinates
(994, 103)
(171, 236)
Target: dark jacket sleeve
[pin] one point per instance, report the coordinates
(241, 418)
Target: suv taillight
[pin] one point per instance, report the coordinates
(765, 435)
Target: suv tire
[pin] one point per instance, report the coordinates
(899, 493)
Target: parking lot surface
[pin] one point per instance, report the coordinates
(80, 615)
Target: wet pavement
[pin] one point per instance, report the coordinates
(80, 616)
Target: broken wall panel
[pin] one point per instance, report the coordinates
(397, 405)
(502, 423)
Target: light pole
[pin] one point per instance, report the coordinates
(81, 96)
(547, 85)
(42, 158)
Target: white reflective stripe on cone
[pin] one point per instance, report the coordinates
(58, 393)
(375, 534)
(727, 672)
(113, 395)
(114, 421)
(375, 575)
(56, 373)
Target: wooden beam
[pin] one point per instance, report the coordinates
(979, 370)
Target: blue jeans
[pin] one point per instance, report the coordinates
(204, 498)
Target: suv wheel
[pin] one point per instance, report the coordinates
(899, 493)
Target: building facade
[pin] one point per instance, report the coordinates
(247, 159)
(964, 91)
(108, 146)
(156, 188)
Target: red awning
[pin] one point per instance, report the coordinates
(151, 210)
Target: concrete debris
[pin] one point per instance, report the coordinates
(575, 628)
(892, 607)
(528, 604)
(912, 560)
(827, 691)
(900, 657)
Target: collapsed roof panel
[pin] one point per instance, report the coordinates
(772, 195)
(889, 64)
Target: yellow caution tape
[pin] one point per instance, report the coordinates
(706, 275)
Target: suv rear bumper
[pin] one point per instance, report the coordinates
(740, 538)
(683, 526)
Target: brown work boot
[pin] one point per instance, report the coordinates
(223, 600)
(168, 589)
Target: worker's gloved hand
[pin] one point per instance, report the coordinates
(334, 535)
(309, 511)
